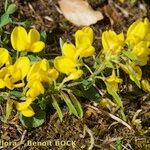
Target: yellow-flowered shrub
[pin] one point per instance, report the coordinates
(49, 78)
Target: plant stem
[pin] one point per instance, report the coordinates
(101, 68)
(61, 84)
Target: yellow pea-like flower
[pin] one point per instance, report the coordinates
(5, 58)
(86, 33)
(113, 81)
(24, 107)
(83, 42)
(13, 78)
(74, 75)
(138, 31)
(22, 64)
(2, 84)
(147, 25)
(142, 52)
(39, 72)
(15, 74)
(19, 38)
(51, 75)
(69, 51)
(69, 62)
(28, 112)
(35, 88)
(42, 72)
(23, 41)
(65, 65)
(112, 43)
(146, 85)
(132, 69)
(37, 69)
(3, 72)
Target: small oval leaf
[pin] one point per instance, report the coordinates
(32, 122)
(11, 9)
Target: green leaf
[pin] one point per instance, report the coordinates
(133, 77)
(77, 92)
(69, 104)
(114, 94)
(43, 36)
(6, 5)
(11, 9)
(135, 80)
(87, 84)
(4, 20)
(9, 106)
(23, 54)
(42, 102)
(37, 120)
(34, 58)
(26, 23)
(16, 94)
(1, 99)
(92, 94)
(119, 145)
(131, 56)
(76, 104)
(109, 64)
(57, 108)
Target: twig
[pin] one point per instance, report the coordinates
(86, 129)
(21, 141)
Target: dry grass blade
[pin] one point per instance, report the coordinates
(112, 116)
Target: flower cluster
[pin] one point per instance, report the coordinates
(23, 73)
(135, 46)
(120, 52)
(70, 61)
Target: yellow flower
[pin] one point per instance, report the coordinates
(74, 75)
(83, 42)
(5, 58)
(138, 31)
(35, 88)
(146, 85)
(132, 69)
(113, 81)
(147, 25)
(142, 52)
(51, 75)
(69, 62)
(112, 43)
(24, 107)
(42, 72)
(3, 72)
(37, 69)
(15, 74)
(23, 41)
(85, 32)
(22, 64)
(65, 65)
(38, 73)
(2, 84)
